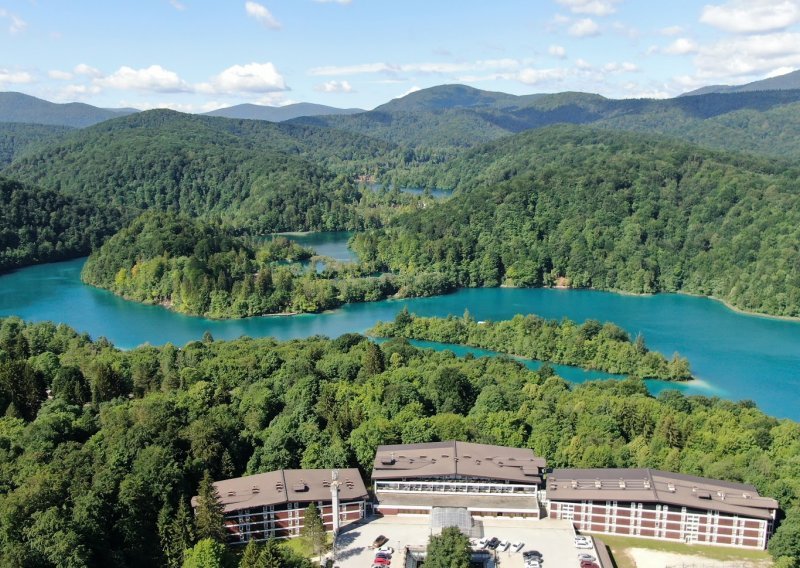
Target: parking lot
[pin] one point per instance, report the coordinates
(554, 539)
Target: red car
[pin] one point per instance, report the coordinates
(381, 561)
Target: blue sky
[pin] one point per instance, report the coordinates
(196, 55)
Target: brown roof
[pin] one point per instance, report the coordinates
(287, 486)
(457, 459)
(653, 486)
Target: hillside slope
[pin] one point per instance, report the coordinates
(279, 114)
(19, 107)
(259, 176)
(591, 208)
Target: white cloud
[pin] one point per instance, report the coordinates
(180, 6)
(557, 51)
(413, 89)
(249, 78)
(15, 77)
(624, 67)
(259, 12)
(743, 58)
(424, 67)
(584, 28)
(681, 46)
(671, 31)
(59, 75)
(583, 64)
(531, 76)
(153, 78)
(343, 2)
(16, 24)
(637, 91)
(752, 16)
(83, 69)
(73, 92)
(594, 7)
(334, 87)
(779, 71)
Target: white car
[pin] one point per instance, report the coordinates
(517, 546)
(584, 544)
(504, 544)
(586, 557)
(533, 564)
(387, 549)
(484, 541)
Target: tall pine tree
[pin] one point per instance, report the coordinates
(209, 514)
(314, 530)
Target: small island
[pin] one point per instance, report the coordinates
(591, 345)
(200, 268)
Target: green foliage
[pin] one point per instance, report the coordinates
(207, 553)
(450, 549)
(16, 138)
(107, 484)
(198, 268)
(590, 345)
(581, 207)
(313, 530)
(38, 225)
(209, 513)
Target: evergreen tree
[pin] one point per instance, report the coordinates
(209, 513)
(313, 529)
(373, 360)
(176, 532)
(252, 557)
(450, 549)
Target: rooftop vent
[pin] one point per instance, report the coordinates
(279, 486)
(671, 487)
(622, 484)
(445, 456)
(466, 457)
(574, 484)
(387, 461)
(300, 487)
(326, 483)
(349, 483)
(553, 487)
(255, 490)
(721, 495)
(647, 484)
(704, 495)
(746, 496)
(597, 484)
(231, 493)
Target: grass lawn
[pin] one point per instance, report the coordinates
(620, 544)
(302, 547)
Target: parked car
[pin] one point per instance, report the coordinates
(589, 565)
(493, 543)
(586, 557)
(533, 564)
(380, 561)
(503, 545)
(581, 537)
(517, 546)
(532, 555)
(380, 541)
(387, 549)
(585, 545)
(384, 555)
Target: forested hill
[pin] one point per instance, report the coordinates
(259, 176)
(456, 116)
(100, 472)
(17, 137)
(592, 208)
(19, 107)
(41, 225)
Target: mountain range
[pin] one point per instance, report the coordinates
(279, 114)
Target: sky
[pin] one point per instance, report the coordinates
(198, 55)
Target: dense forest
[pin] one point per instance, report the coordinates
(258, 176)
(100, 449)
(583, 207)
(39, 225)
(197, 268)
(15, 138)
(590, 345)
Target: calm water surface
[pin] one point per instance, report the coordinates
(735, 356)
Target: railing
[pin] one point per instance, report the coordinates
(463, 488)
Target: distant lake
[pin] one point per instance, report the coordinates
(735, 356)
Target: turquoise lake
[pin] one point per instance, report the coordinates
(734, 355)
